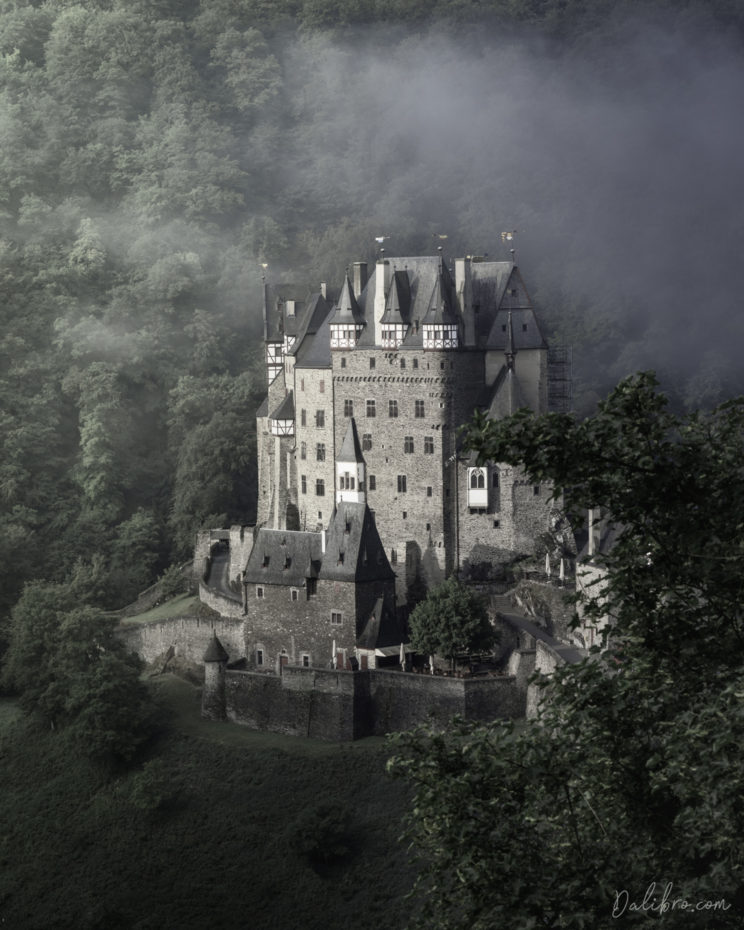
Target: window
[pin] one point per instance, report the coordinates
(428, 526)
(303, 417)
(305, 658)
(496, 524)
(343, 363)
(320, 452)
(371, 408)
(259, 656)
(302, 384)
(536, 489)
(322, 386)
(312, 586)
(393, 557)
(401, 484)
(372, 363)
(348, 408)
(524, 327)
(405, 514)
(366, 442)
(337, 617)
(415, 363)
(429, 492)
(429, 445)
(259, 591)
(320, 419)
(294, 594)
(419, 409)
(303, 481)
(477, 478)
(392, 408)
(408, 444)
(303, 450)
(372, 479)
(320, 488)
(402, 363)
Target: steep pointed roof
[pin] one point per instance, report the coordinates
(398, 303)
(515, 301)
(440, 309)
(347, 308)
(381, 628)
(286, 409)
(354, 551)
(351, 450)
(215, 651)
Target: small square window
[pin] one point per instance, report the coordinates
(536, 489)
(408, 444)
(259, 591)
(419, 409)
(429, 492)
(402, 363)
(366, 442)
(348, 408)
(294, 594)
(415, 363)
(320, 451)
(372, 480)
(320, 419)
(372, 362)
(496, 524)
(428, 526)
(343, 363)
(337, 617)
(320, 490)
(524, 327)
(429, 445)
(405, 514)
(392, 408)
(305, 660)
(371, 408)
(401, 484)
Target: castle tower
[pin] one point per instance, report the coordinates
(350, 469)
(213, 695)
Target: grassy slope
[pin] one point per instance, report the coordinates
(77, 853)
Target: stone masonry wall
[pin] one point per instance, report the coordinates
(339, 705)
(189, 636)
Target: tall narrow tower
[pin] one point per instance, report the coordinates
(350, 469)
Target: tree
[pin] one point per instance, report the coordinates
(71, 671)
(630, 779)
(452, 621)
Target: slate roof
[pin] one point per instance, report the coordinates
(263, 410)
(354, 551)
(351, 450)
(347, 308)
(286, 557)
(275, 296)
(286, 409)
(215, 651)
(398, 303)
(440, 309)
(315, 349)
(381, 628)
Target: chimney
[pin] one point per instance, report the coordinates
(382, 277)
(323, 290)
(359, 271)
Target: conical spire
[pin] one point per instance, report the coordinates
(215, 650)
(351, 450)
(347, 308)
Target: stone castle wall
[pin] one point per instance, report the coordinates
(341, 705)
(188, 635)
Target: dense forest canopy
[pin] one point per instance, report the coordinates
(156, 153)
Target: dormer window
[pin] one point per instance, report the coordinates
(477, 489)
(393, 335)
(440, 336)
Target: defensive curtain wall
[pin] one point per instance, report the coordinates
(343, 705)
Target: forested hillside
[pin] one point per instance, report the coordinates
(155, 154)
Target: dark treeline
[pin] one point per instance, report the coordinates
(156, 153)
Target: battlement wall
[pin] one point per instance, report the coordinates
(189, 636)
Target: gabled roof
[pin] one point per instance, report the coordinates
(275, 297)
(347, 309)
(515, 300)
(283, 557)
(351, 450)
(311, 320)
(354, 551)
(286, 409)
(508, 396)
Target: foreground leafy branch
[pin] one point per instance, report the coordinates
(630, 781)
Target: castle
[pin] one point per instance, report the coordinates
(365, 498)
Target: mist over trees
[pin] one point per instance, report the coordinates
(155, 154)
